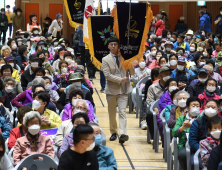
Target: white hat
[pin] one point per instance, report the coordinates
(189, 32)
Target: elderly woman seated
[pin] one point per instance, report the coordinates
(182, 127)
(64, 136)
(9, 84)
(19, 131)
(32, 142)
(5, 51)
(77, 104)
(179, 110)
(15, 74)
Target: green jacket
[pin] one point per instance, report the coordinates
(219, 55)
(5, 21)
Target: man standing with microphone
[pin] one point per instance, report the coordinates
(116, 90)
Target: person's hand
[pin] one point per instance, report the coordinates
(186, 124)
(125, 79)
(144, 75)
(172, 51)
(156, 110)
(219, 19)
(181, 86)
(63, 76)
(0, 131)
(45, 120)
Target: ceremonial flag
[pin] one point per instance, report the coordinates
(100, 29)
(89, 9)
(75, 11)
(140, 21)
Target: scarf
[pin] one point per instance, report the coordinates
(211, 94)
(212, 141)
(178, 113)
(189, 118)
(33, 141)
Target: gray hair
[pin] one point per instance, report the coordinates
(9, 79)
(78, 100)
(80, 66)
(73, 86)
(93, 124)
(180, 92)
(38, 81)
(202, 43)
(5, 47)
(31, 115)
(159, 16)
(209, 67)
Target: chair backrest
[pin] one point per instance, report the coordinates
(104, 138)
(143, 80)
(155, 104)
(6, 146)
(44, 164)
(18, 68)
(61, 113)
(161, 115)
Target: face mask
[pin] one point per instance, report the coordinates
(203, 34)
(153, 53)
(36, 105)
(14, 46)
(49, 38)
(34, 129)
(48, 87)
(168, 36)
(19, 43)
(34, 20)
(216, 134)
(55, 43)
(204, 54)
(61, 57)
(162, 44)
(90, 146)
(34, 64)
(9, 89)
(18, 13)
(98, 139)
(202, 80)
(192, 49)
(68, 60)
(179, 67)
(211, 89)
(38, 76)
(210, 112)
(202, 63)
(172, 39)
(3, 13)
(200, 48)
(150, 40)
(175, 102)
(197, 39)
(168, 49)
(173, 62)
(77, 111)
(188, 37)
(36, 32)
(182, 103)
(172, 88)
(215, 39)
(162, 65)
(142, 64)
(12, 64)
(194, 111)
(166, 78)
(64, 70)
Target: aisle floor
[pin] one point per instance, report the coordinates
(140, 153)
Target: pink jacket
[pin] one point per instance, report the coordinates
(22, 148)
(160, 26)
(153, 65)
(215, 53)
(50, 56)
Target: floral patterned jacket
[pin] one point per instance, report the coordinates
(206, 146)
(66, 143)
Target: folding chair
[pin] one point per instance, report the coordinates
(168, 148)
(176, 161)
(10, 154)
(196, 160)
(104, 138)
(44, 164)
(164, 131)
(6, 146)
(148, 132)
(61, 113)
(188, 155)
(156, 131)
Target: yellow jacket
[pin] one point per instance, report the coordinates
(8, 14)
(15, 75)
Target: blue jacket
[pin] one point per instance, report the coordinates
(204, 23)
(189, 73)
(106, 158)
(176, 44)
(5, 116)
(5, 128)
(219, 24)
(19, 60)
(193, 137)
(80, 33)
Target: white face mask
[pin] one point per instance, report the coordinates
(169, 36)
(68, 60)
(172, 39)
(9, 89)
(90, 146)
(188, 37)
(211, 89)
(55, 43)
(34, 129)
(182, 103)
(153, 53)
(34, 64)
(14, 46)
(36, 32)
(172, 88)
(12, 64)
(200, 48)
(162, 44)
(142, 64)
(175, 102)
(162, 65)
(18, 13)
(179, 67)
(173, 62)
(48, 87)
(202, 80)
(64, 70)
(61, 57)
(19, 43)
(216, 134)
(166, 78)
(49, 38)
(36, 104)
(202, 63)
(204, 54)
(197, 40)
(194, 111)
(168, 49)
(192, 49)
(210, 112)
(38, 76)
(77, 111)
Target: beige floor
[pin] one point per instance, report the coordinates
(141, 154)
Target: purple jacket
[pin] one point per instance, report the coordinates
(67, 113)
(28, 98)
(163, 102)
(54, 87)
